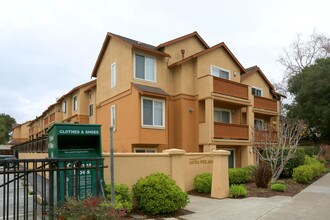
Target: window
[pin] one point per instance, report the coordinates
(113, 75)
(222, 115)
(256, 91)
(219, 72)
(259, 123)
(152, 112)
(91, 108)
(75, 103)
(64, 106)
(145, 150)
(145, 68)
(113, 116)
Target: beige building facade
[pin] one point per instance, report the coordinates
(181, 94)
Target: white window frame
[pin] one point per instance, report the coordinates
(113, 77)
(113, 117)
(91, 110)
(225, 110)
(223, 69)
(75, 103)
(146, 149)
(260, 89)
(262, 122)
(155, 67)
(163, 116)
(64, 106)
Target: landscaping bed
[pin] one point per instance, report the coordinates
(293, 188)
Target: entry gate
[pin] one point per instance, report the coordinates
(34, 188)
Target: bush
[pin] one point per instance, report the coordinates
(263, 175)
(238, 175)
(278, 187)
(250, 170)
(159, 194)
(303, 174)
(237, 191)
(203, 183)
(297, 160)
(317, 166)
(123, 196)
(311, 150)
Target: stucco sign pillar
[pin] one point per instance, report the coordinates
(220, 179)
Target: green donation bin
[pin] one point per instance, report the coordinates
(77, 142)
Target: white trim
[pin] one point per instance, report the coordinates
(233, 149)
(145, 149)
(64, 106)
(113, 117)
(113, 80)
(225, 110)
(73, 104)
(155, 67)
(89, 110)
(257, 89)
(223, 69)
(163, 116)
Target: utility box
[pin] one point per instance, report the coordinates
(76, 141)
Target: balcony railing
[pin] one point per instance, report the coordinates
(230, 88)
(231, 131)
(265, 103)
(267, 136)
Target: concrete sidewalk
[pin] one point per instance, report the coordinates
(312, 203)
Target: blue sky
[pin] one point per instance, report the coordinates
(49, 47)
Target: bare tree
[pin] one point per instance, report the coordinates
(277, 146)
(297, 56)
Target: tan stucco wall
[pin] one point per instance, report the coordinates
(121, 54)
(191, 46)
(218, 57)
(255, 80)
(129, 168)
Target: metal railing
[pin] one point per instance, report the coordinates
(34, 188)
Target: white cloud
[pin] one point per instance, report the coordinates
(49, 47)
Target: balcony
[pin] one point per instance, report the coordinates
(268, 136)
(231, 131)
(230, 88)
(265, 103)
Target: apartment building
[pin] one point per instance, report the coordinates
(180, 94)
(19, 133)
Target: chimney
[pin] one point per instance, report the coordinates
(182, 53)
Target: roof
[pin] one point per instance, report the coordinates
(222, 44)
(150, 89)
(255, 68)
(193, 34)
(127, 41)
(76, 88)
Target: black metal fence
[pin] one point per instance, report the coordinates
(35, 188)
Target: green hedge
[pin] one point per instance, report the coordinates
(237, 191)
(278, 187)
(123, 196)
(159, 194)
(239, 175)
(203, 183)
(312, 168)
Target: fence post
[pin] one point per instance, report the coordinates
(220, 179)
(176, 164)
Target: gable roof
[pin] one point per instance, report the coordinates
(255, 68)
(127, 41)
(220, 45)
(193, 34)
(92, 82)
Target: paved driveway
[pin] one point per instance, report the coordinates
(312, 203)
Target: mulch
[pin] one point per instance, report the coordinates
(253, 191)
